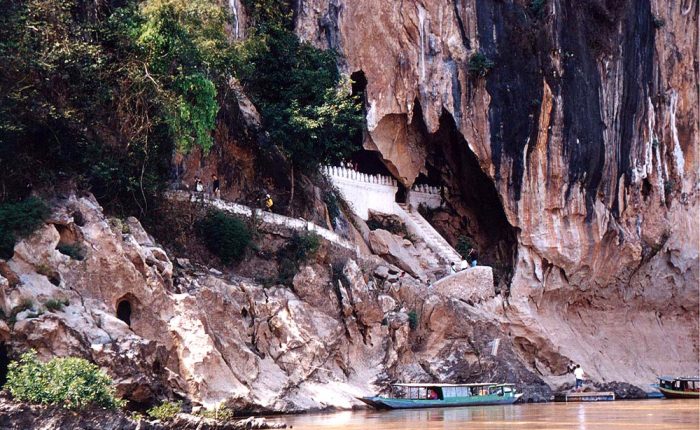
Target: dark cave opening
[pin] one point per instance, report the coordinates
(359, 83)
(472, 197)
(370, 162)
(124, 311)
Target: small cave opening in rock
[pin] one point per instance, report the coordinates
(401, 193)
(124, 311)
(646, 188)
(359, 83)
(4, 362)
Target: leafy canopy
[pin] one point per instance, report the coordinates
(306, 106)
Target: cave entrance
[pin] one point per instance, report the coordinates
(401, 193)
(4, 362)
(124, 311)
(359, 83)
(474, 203)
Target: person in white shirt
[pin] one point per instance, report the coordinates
(453, 269)
(463, 264)
(579, 375)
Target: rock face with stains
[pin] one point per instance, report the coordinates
(165, 330)
(575, 157)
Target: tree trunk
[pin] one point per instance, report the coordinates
(291, 195)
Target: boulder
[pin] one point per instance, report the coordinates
(472, 285)
(392, 248)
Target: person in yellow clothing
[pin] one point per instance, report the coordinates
(268, 202)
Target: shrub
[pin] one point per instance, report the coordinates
(479, 64)
(413, 320)
(331, 201)
(464, 245)
(55, 304)
(391, 224)
(219, 413)
(74, 251)
(70, 382)
(286, 271)
(18, 220)
(225, 236)
(304, 246)
(165, 411)
(300, 249)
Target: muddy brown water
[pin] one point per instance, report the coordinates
(628, 415)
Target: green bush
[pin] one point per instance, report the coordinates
(286, 271)
(479, 64)
(225, 236)
(70, 382)
(18, 220)
(304, 246)
(53, 305)
(219, 413)
(413, 320)
(331, 201)
(165, 411)
(300, 249)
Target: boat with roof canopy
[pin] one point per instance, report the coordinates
(684, 387)
(416, 395)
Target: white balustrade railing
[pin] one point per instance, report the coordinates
(427, 189)
(353, 175)
(363, 192)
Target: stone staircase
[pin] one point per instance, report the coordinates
(416, 224)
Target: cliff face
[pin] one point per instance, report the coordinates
(586, 128)
(196, 333)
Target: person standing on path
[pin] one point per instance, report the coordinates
(268, 203)
(474, 255)
(215, 186)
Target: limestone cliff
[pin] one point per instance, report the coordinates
(575, 156)
(184, 330)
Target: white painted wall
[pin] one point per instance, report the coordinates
(364, 192)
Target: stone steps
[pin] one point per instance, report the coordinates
(428, 233)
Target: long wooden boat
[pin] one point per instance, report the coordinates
(412, 396)
(684, 387)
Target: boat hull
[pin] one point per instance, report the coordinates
(677, 394)
(388, 403)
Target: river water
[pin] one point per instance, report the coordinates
(627, 415)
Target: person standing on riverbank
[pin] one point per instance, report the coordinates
(579, 374)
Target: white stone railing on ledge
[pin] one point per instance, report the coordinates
(425, 189)
(425, 195)
(363, 192)
(296, 224)
(355, 176)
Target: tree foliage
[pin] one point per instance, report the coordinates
(18, 220)
(307, 107)
(104, 92)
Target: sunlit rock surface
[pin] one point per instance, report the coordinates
(586, 127)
